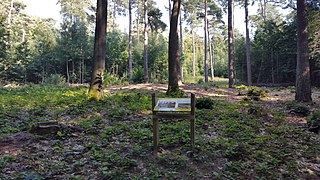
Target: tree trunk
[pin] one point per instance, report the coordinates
(303, 87)
(249, 77)
(173, 58)
(10, 12)
(145, 49)
(205, 42)
(211, 56)
(73, 72)
(68, 74)
(130, 41)
(193, 53)
(260, 69)
(230, 44)
(96, 85)
(170, 10)
(114, 16)
(272, 67)
(138, 30)
(179, 64)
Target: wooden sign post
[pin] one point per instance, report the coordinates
(172, 108)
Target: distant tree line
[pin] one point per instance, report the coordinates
(35, 50)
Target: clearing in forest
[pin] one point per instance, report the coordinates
(238, 135)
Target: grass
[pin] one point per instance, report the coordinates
(112, 139)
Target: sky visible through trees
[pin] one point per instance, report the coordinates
(37, 49)
(50, 9)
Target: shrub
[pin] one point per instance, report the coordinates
(255, 93)
(204, 103)
(110, 79)
(137, 75)
(240, 88)
(298, 108)
(314, 122)
(55, 79)
(175, 93)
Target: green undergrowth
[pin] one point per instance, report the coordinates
(112, 139)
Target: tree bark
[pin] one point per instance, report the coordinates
(130, 41)
(211, 57)
(205, 42)
(10, 12)
(114, 16)
(248, 60)
(173, 58)
(193, 54)
(145, 49)
(230, 44)
(96, 85)
(67, 69)
(303, 86)
(170, 10)
(179, 64)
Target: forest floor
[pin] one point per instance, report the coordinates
(236, 138)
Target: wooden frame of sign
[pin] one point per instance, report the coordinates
(172, 108)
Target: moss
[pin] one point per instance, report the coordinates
(95, 95)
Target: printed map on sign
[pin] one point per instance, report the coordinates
(171, 104)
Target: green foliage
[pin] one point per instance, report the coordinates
(55, 79)
(158, 59)
(313, 44)
(241, 88)
(137, 75)
(273, 51)
(205, 103)
(176, 93)
(314, 122)
(255, 93)
(298, 108)
(116, 53)
(110, 79)
(112, 138)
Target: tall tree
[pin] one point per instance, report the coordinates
(130, 41)
(206, 41)
(230, 44)
(179, 64)
(249, 78)
(10, 12)
(170, 10)
(173, 58)
(191, 18)
(211, 54)
(145, 49)
(96, 85)
(303, 86)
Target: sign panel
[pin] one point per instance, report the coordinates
(173, 104)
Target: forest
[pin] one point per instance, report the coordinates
(75, 95)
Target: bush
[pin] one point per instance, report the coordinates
(55, 79)
(175, 93)
(204, 103)
(240, 89)
(137, 75)
(298, 108)
(314, 122)
(110, 79)
(255, 93)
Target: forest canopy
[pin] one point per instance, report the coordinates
(35, 50)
